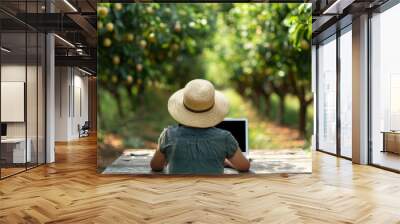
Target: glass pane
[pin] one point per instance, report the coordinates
(41, 99)
(327, 96)
(32, 97)
(385, 89)
(14, 151)
(346, 94)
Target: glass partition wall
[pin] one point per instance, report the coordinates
(22, 77)
(334, 110)
(334, 94)
(345, 62)
(385, 89)
(327, 95)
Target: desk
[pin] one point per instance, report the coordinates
(263, 162)
(391, 141)
(17, 150)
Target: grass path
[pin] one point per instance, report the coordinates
(263, 133)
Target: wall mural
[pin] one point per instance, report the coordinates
(204, 88)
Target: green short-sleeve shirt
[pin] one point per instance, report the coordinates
(196, 150)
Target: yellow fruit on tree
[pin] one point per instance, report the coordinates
(103, 11)
(116, 60)
(149, 10)
(152, 37)
(143, 43)
(129, 79)
(110, 26)
(139, 67)
(118, 6)
(129, 37)
(114, 78)
(304, 44)
(100, 25)
(107, 42)
(177, 27)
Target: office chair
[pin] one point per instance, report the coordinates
(84, 130)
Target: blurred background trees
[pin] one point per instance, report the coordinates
(261, 52)
(272, 54)
(148, 44)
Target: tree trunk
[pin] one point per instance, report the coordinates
(131, 96)
(281, 109)
(241, 89)
(119, 103)
(255, 98)
(140, 92)
(302, 119)
(267, 102)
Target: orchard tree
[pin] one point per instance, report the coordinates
(150, 44)
(300, 31)
(272, 54)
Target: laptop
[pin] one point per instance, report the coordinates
(238, 127)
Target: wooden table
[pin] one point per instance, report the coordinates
(137, 161)
(391, 141)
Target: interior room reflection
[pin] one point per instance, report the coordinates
(385, 89)
(22, 101)
(327, 92)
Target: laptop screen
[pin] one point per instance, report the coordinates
(238, 128)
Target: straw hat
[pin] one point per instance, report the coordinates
(198, 105)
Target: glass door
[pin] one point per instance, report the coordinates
(346, 92)
(15, 149)
(385, 89)
(327, 95)
(22, 77)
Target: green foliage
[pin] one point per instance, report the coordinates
(146, 43)
(270, 52)
(299, 22)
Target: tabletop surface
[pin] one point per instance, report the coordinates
(262, 162)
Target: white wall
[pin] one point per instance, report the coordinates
(61, 103)
(71, 102)
(33, 126)
(12, 73)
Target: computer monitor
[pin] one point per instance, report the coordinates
(239, 129)
(3, 129)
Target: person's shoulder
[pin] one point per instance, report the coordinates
(170, 129)
(168, 132)
(221, 132)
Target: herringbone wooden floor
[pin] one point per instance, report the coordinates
(70, 191)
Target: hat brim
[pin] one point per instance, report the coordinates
(205, 119)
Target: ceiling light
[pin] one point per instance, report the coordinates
(70, 5)
(65, 41)
(84, 71)
(5, 50)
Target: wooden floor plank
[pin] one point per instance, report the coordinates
(70, 191)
